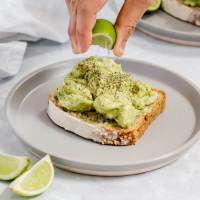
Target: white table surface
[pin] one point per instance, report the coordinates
(180, 180)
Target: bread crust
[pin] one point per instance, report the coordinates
(143, 123)
(131, 135)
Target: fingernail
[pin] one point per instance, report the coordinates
(120, 51)
(122, 48)
(75, 49)
(79, 45)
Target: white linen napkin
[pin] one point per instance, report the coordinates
(11, 56)
(28, 20)
(32, 20)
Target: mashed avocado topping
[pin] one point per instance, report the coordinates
(192, 3)
(99, 85)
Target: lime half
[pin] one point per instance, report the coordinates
(13, 166)
(154, 6)
(104, 34)
(36, 180)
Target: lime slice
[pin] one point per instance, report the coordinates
(154, 6)
(104, 34)
(13, 166)
(36, 180)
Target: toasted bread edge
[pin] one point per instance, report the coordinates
(131, 135)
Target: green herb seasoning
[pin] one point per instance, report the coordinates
(99, 85)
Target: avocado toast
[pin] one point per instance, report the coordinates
(100, 102)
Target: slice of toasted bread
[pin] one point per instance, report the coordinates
(100, 133)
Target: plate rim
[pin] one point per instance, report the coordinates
(105, 173)
(178, 151)
(144, 23)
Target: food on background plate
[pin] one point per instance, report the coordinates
(97, 100)
(186, 10)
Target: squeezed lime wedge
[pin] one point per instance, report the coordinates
(36, 180)
(104, 34)
(12, 166)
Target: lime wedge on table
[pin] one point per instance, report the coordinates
(104, 34)
(36, 180)
(154, 6)
(13, 166)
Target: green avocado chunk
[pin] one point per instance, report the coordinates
(108, 106)
(74, 95)
(75, 102)
(100, 85)
(117, 107)
(127, 116)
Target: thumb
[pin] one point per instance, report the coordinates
(129, 16)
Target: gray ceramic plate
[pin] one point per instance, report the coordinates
(166, 139)
(165, 27)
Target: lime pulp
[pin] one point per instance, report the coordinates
(13, 166)
(154, 6)
(36, 180)
(104, 34)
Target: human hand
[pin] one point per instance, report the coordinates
(83, 17)
(128, 17)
